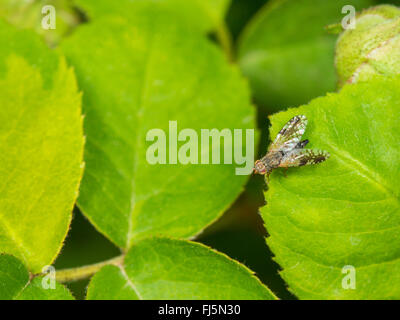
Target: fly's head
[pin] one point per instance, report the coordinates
(269, 162)
(260, 167)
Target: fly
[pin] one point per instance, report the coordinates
(288, 150)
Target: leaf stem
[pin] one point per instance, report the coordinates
(225, 39)
(74, 274)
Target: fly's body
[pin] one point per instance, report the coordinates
(270, 161)
(287, 150)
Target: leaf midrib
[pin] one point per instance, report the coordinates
(140, 115)
(130, 283)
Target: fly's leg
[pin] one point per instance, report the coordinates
(267, 177)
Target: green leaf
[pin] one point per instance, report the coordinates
(15, 283)
(205, 15)
(344, 211)
(286, 52)
(41, 146)
(160, 268)
(13, 277)
(240, 12)
(28, 14)
(111, 283)
(140, 78)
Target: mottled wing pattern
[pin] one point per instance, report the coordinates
(302, 157)
(290, 135)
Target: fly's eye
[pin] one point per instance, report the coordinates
(259, 167)
(261, 170)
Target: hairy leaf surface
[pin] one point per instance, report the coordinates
(41, 147)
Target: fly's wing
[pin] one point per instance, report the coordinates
(302, 157)
(290, 135)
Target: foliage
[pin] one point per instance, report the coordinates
(285, 48)
(203, 15)
(28, 15)
(41, 148)
(15, 284)
(346, 210)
